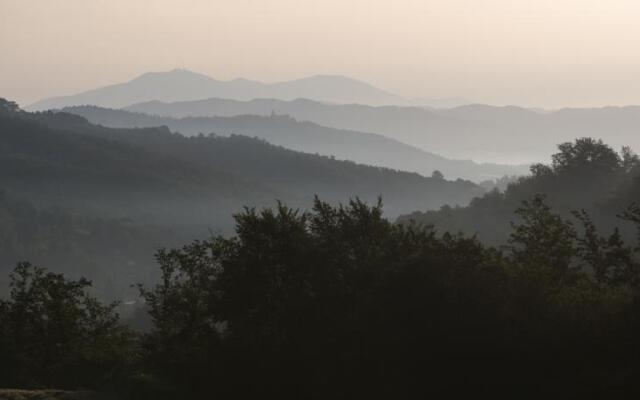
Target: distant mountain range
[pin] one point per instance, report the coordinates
(180, 85)
(480, 132)
(503, 135)
(361, 147)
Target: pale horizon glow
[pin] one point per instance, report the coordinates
(543, 53)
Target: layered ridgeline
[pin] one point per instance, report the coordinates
(60, 156)
(480, 132)
(137, 179)
(309, 137)
(96, 174)
(584, 175)
(263, 171)
(181, 84)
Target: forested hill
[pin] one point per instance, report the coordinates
(296, 177)
(583, 175)
(61, 157)
(308, 137)
(77, 171)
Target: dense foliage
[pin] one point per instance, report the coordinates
(339, 302)
(53, 333)
(585, 174)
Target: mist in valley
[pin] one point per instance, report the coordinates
(319, 200)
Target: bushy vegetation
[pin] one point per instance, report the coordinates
(339, 302)
(53, 333)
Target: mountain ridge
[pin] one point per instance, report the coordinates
(508, 134)
(182, 85)
(64, 158)
(309, 137)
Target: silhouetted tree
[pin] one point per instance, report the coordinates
(8, 107)
(543, 239)
(437, 175)
(55, 334)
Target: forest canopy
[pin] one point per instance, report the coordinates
(340, 302)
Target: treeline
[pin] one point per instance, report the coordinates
(339, 302)
(584, 174)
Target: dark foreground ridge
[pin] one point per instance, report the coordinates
(340, 303)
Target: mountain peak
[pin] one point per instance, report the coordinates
(328, 78)
(176, 73)
(184, 85)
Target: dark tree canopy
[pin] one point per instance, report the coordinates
(339, 302)
(53, 333)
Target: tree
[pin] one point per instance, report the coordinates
(542, 240)
(8, 107)
(610, 259)
(630, 160)
(339, 302)
(586, 154)
(55, 334)
(313, 303)
(184, 342)
(437, 175)
(632, 214)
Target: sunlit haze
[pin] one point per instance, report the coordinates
(545, 53)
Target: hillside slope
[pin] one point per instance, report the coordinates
(584, 175)
(309, 137)
(62, 157)
(296, 177)
(79, 171)
(479, 132)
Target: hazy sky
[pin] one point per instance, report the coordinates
(546, 53)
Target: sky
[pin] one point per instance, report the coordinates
(533, 53)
